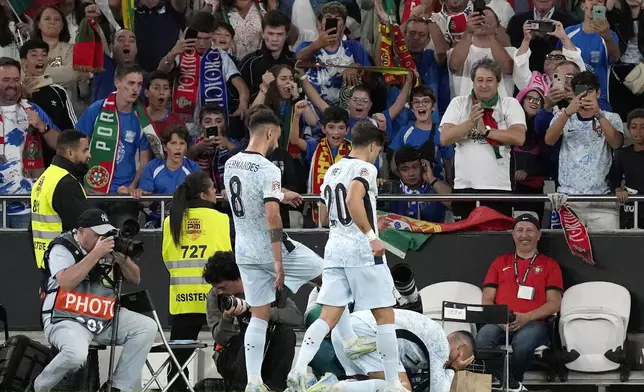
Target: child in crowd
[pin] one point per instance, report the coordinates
(213, 146)
(158, 94)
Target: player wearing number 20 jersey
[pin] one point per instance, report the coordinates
(347, 245)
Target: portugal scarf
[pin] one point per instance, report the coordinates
(286, 117)
(201, 78)
(105, 142)
(488, 109)
(33, 164)
(321, 161)
(88, 49)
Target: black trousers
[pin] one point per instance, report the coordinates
(280, 350)
(462, 210)
(184, 327)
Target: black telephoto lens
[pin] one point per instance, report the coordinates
(131, 248)
(228, 302)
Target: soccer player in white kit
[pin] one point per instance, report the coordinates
(443, 355)
(355, 269)
(254, 190)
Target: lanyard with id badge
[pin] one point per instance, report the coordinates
(525, 292)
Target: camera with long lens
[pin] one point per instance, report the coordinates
(123, 239)
(405, 284)
(230, 302)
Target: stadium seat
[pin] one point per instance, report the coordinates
(460, 292)
(594, 319)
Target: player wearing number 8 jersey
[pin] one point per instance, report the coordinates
(355, 269)
(267, 257)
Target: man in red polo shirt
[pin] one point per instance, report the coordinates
(530, 284)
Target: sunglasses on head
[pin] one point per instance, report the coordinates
(555, 57)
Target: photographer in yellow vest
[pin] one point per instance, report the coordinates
(192, 233)
(58, 197)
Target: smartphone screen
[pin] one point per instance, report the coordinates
(191, 34)
(331, 23)
(479, 6)
(582, 88)
(212, 131)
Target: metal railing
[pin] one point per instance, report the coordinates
(455, 197)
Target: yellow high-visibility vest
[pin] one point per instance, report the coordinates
(45, 222)
(204, 231)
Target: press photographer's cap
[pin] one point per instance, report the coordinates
(96, 220)
(528, 218)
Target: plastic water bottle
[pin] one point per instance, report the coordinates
(555, 222)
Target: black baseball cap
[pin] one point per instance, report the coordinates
(96, 220)
(528, 218)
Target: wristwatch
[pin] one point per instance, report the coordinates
(47, 129)
(487, 131)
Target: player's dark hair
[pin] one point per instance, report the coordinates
(587, 78)
(221, 267)
(261, 116)
(407, 154)
(32, 44)
(157, 75)
(123, 69)
(276, 18)
(69, 138)
(635, 113)
(189, 190)
(203, 22)
(468, 339)
(364, 133)
(175, 129)
(334, 114)
(421, 91)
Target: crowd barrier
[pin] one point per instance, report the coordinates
(460, 256)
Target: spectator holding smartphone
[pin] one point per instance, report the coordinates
(597, 42)
(589, 136)
(525, 74)
(541, 42)
(628, 22)
(627, 168)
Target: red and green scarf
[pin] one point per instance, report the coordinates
(321, 161)
(88, 49)
(286, 118)
(33, 163)
(488, 109)
(105, 141)
(387, 52)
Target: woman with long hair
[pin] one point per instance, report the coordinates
(192, 233)
(627, 20)
(279, 91)
(51, 27)
(245, 16)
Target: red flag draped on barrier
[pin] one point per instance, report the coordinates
(481, 219)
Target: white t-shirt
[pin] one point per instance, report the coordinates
(347, 245)
(461, 83)
(503, 11)
(475, 163)
(252, 180)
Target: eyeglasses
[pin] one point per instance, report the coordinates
(421, 102)
(364, 101)
(555, 57)
(537, 100)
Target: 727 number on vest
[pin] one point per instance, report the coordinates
(194, 251)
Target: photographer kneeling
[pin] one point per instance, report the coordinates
(228, 315)
(79, 304)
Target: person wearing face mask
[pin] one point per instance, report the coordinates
(530, 283)
(158, 94)
(58, 197)
(523, 58)
(529, 158)
(42, 90)
(484, 126)
(192, 233)
(124, 51)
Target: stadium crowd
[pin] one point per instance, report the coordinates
(498, 96)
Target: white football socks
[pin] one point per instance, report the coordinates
(311, 343)
(387, 346)
(254, 342)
